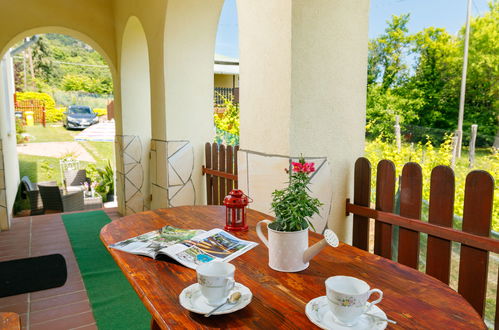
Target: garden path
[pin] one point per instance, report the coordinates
(56, 150)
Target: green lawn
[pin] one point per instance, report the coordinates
(49, 134)
(101, 151)
(40, 169)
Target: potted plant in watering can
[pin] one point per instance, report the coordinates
(288, 234)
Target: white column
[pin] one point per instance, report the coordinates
(190, 33)
(303, 68)
(9, 165)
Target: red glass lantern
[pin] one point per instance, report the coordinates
(235, 210)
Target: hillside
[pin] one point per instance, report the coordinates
(59, 62)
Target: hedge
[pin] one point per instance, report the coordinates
(52, 114)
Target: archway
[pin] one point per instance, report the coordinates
(10, 168)
(133, 142)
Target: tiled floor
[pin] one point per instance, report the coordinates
(66, 307)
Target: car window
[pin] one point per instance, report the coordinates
(80, 110)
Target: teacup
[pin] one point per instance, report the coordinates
(216, 280)
(347, 297)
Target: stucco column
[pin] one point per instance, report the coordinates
(190, 33)
(303, 68)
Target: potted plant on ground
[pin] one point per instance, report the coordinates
(293, 207)
(104, 179)
(106, 183)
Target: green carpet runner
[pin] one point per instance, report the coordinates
(114, 302)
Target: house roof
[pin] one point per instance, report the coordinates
(226, 65)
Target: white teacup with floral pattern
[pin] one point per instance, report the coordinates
(347, 297)
(216, 280)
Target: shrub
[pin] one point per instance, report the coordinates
(47, 100)
(100, 112)
(54, 115)
(227, 125)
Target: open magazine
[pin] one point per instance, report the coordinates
(190, 247)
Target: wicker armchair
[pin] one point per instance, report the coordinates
(53, 199)
(30, 190)
(73, 180)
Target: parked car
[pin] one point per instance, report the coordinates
(79, 116)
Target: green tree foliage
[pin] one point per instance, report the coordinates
(62, 62)
(428, 94)
(482, 90)
(386, 58)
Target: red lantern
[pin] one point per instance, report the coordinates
(235, 210)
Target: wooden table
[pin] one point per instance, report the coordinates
(413, 299)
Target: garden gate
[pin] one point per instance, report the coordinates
(220, 171)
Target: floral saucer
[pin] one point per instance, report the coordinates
(318, 312)
(192, 300)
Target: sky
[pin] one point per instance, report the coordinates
(448, 14)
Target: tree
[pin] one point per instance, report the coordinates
(386, 53)
(482, 88)
(433, 83)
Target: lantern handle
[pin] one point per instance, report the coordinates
(250, 200)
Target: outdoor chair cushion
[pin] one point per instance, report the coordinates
(74, 179)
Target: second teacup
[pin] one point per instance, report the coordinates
(347, 297)
(216, 280)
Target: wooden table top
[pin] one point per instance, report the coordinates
(411, 298)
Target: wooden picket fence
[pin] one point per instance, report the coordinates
(35, 106)
(220, 171)
(474, 236)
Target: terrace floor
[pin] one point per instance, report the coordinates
(66, 307)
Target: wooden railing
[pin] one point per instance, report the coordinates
(220, 171)
(474, 236)
(227, 93)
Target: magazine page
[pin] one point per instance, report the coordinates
(215, 244)
(149, 244)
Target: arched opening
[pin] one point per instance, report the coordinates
(54, 71)
(226, 76)
(133, 142)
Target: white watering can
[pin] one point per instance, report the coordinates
(289, 250)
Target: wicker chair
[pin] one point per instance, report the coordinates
(54, 200)
(73, 179)
(30, 190)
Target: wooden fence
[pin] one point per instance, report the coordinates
(474, 236)
(35, 106)
(220, 171)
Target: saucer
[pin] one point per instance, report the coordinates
(318, 313)
(192, 300)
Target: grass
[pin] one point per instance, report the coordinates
(100, 151)
(40, 169)
(50, 133)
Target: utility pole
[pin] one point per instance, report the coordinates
(463, 83)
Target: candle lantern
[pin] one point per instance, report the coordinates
(235, 210)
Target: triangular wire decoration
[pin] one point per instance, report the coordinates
(173, 178)
(180, 166)
(132, 149)
(175, 146)
(185, 196)
(182, 162)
